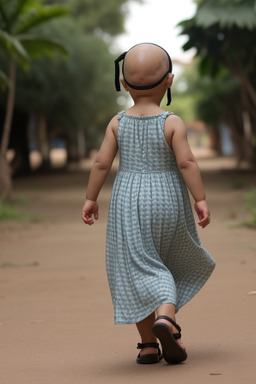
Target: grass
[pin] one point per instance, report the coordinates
(250, 206)
(249, 199)
(15, 265)
(247, 247)
(10, 212)
(237, 184)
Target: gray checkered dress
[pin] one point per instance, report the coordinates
(153, 252)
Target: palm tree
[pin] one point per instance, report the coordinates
(18, 19)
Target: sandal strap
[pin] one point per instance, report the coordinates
(175, 335)
(147, 345)
(150, 345)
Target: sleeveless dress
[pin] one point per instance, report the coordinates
(153, 252)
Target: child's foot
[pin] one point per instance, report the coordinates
(150, 353)
(168, 332)
(173, 330)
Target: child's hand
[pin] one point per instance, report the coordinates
(203, 213)
(90, 210)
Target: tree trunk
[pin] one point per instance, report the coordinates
(249, 88)
(81, 144)
(43, 141)
(248, 117)
(5, 178)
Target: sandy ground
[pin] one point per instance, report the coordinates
(56, 319)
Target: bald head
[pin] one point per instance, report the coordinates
(145, 64)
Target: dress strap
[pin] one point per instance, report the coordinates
(120, 115)
(166, 114)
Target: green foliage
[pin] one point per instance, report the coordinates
(33, 14)
(219, 39)
(204, 98)
(185, 94)
(105, 18)
(19, 16)
(183, 105)
(4, 82)
(219, 99)
(104, 15)
(18, 19)
(77, 92)
(250, 205)
(72, 93)
(14, 47)
(223, 34)
(10, 212)
(100, 16)
(41, 46)
(226, 13)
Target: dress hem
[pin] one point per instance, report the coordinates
(144, 316)
(148, 312)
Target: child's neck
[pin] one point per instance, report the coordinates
(145, 108)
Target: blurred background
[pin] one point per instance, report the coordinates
(57, 96)
(57, 78)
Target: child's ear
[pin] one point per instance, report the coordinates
(124, 83)
(170, 78)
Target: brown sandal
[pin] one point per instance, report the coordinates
(150, 358)
(172, 352)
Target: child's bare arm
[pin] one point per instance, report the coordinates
(99, 172)
(188, 166)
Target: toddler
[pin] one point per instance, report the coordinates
(155, 260)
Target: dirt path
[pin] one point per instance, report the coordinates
(56, 320)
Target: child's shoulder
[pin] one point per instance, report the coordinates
(173, 125)
(113, 124)
(173, 119)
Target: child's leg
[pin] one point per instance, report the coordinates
(168, 310)
(145, 330)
